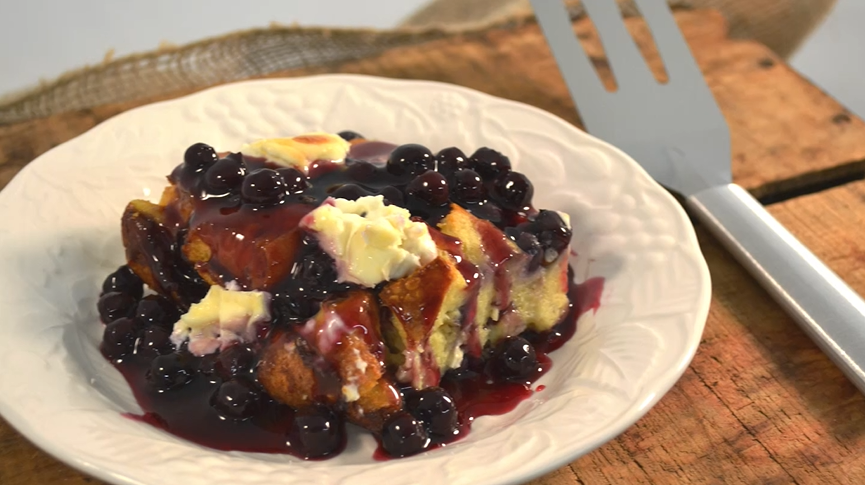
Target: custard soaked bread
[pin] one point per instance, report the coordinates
(333, 278)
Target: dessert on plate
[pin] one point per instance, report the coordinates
(303, 283)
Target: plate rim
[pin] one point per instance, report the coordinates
(635, 411)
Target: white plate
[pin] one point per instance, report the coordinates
(60, 236)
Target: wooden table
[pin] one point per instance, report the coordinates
(760, 403)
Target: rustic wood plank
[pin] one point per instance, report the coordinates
(786, 133)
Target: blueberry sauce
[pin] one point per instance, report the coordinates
(188, 411)
(476, 395)
(246, 213)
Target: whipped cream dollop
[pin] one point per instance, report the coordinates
(371, 242)
(222, 318)
(299, 151)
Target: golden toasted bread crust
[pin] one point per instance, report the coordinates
(286, 370)
(342, 346)
(144, 234)
(424, 332)
(511, 298)
(375, 406)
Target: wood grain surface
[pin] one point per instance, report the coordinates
(759, 403)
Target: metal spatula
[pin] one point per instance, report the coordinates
(677, 133)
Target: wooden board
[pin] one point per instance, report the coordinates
(759, 403)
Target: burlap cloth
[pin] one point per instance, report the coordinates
(780, 24)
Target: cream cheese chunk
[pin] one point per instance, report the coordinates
(565, 217)
(371, 242)
(220, 319)
(299, 151)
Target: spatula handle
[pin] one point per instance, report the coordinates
(827, 309)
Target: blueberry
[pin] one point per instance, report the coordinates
(236, 399)
(408, 392)
(317, 268)
(225, 175)
(467, 186)
(548, 220)
(392, 195)
(552, 232)
(295, 181)
(412, 159)
(207, 365)
(118, 339)
(312, 278)
(199, 156)
(429, 188)
(449, 160)
(350, 192)
(513, 360)
(157, 310)
(316, 432)
(489, 163)
(155, 341)
(115, 305)
(403, 435)
(435, 408)
(124, 280)
(513, 191)
(289, 307)
(528, 242)
(488, 211)
(263, 186)
(350, 135)
(170, 371)
(360, 170)
(234, 361)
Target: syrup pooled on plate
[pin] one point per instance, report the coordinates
(262, 334)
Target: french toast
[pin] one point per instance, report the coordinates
(374, 277)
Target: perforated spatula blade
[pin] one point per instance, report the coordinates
(677, 133)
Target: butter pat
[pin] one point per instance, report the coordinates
(220, 319)
(371, 242)
(300, 151)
